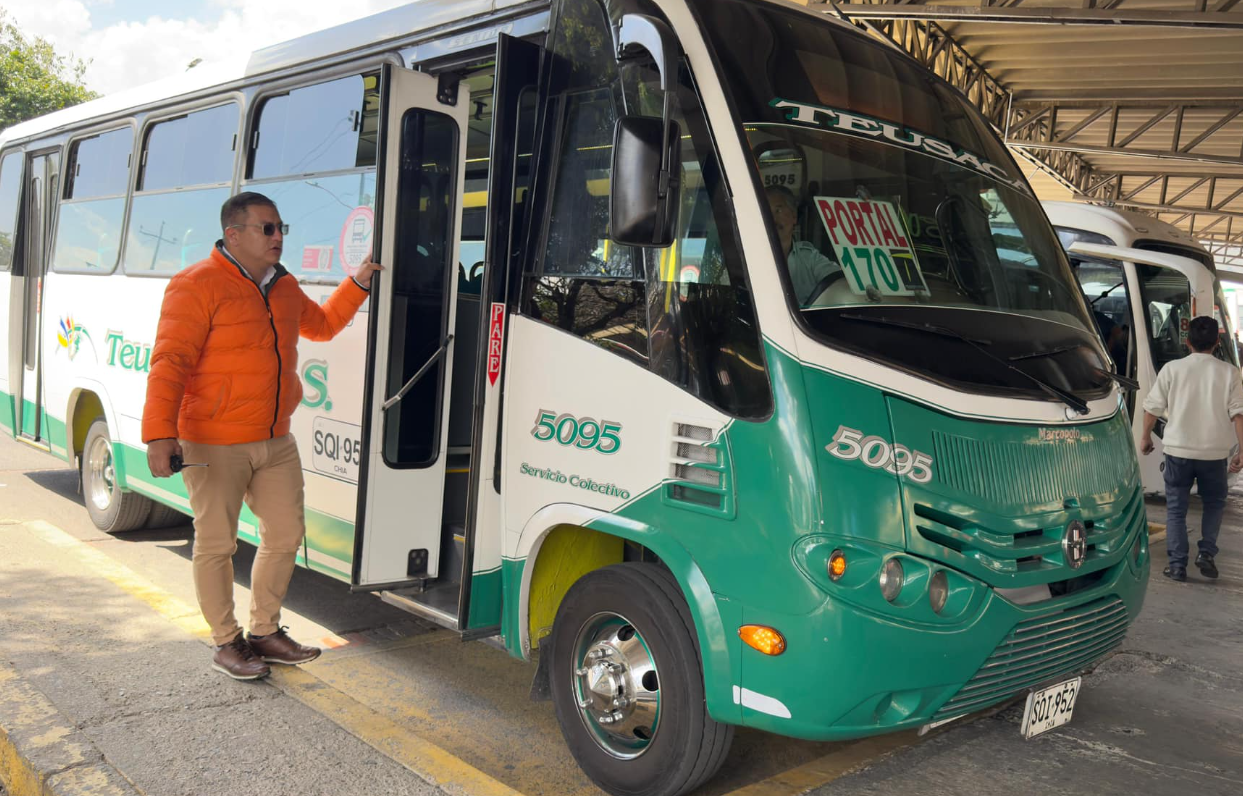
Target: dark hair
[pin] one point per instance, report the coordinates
(1202, 334)
(235, 208)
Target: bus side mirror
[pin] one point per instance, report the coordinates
(646, 183)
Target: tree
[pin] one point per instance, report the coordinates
(34, 80)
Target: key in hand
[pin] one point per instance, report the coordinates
(177, 465)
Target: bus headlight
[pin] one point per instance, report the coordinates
(891, 579)
(938, 590)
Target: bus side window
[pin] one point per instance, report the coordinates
(88, 232)
(313, 152)
(186, 176)
(685, 311)
(588, 285)
(10, 191)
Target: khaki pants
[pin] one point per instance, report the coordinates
(268, 476)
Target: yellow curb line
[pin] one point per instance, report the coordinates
(858, 755)
(429, 762)
(42, 754)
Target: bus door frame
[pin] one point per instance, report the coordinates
(518, 65)
(1202, 286)
(28, 365)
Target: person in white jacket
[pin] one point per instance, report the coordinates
(1201, 399)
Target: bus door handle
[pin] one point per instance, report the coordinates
(408, 386)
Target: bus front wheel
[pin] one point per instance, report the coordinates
(627, 684)
(111, 508)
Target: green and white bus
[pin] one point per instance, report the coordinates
(1144, 281)
(843, 466)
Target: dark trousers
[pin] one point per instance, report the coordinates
(1210, 476)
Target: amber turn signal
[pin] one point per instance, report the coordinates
(837, 565)
(764, 639)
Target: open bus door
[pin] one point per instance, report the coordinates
(1161, 337)
(1201, 279)
(38, 210)
(410, 350)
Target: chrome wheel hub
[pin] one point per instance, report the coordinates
(616, 685)
(100, 476)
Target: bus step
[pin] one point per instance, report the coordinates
(452, 552)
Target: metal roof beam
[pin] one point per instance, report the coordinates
(938, 51)
(1126, 104)
(1036, 128)
(1214, 19)
(1082, 149)
(1201, 95)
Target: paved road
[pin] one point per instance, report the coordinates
(105, 628)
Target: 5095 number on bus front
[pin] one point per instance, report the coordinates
(849, 444)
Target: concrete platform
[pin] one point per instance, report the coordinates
(103, 635)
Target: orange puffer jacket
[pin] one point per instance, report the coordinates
(225, 366)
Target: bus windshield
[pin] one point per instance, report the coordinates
(891, 200)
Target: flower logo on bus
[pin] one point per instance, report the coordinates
(71, 335)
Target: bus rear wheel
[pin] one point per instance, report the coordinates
(627, 684)
(111, 509)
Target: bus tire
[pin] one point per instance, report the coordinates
(627, 630)
(111, 509)
(163, 516)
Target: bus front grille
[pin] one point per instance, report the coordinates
(1007, 474)
(1026, 548)
(1042, 650)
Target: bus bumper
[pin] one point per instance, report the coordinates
(848, 672)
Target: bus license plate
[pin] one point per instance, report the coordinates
(1050, 707)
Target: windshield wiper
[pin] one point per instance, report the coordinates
(1047, 352)
(1068, 398)
(1123, 381)
(1106, 293)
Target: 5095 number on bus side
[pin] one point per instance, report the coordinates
(584, 433)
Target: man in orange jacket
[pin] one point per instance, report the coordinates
(223, 384)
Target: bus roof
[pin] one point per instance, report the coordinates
(385, 28)
(1125, 226)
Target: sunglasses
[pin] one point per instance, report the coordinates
(269, 229)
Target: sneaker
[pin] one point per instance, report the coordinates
(278, 647)
(1207, 568)
(239, 661)
(1175, 573)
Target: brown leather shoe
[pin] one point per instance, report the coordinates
(278, 647)
(239, 661)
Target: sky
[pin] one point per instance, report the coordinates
(131, 42)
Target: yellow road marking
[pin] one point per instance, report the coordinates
(837, 764)
(177, 611)
(428, 761)
(432, 763)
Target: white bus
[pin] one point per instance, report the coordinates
(1132, 266)
(853, 465)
